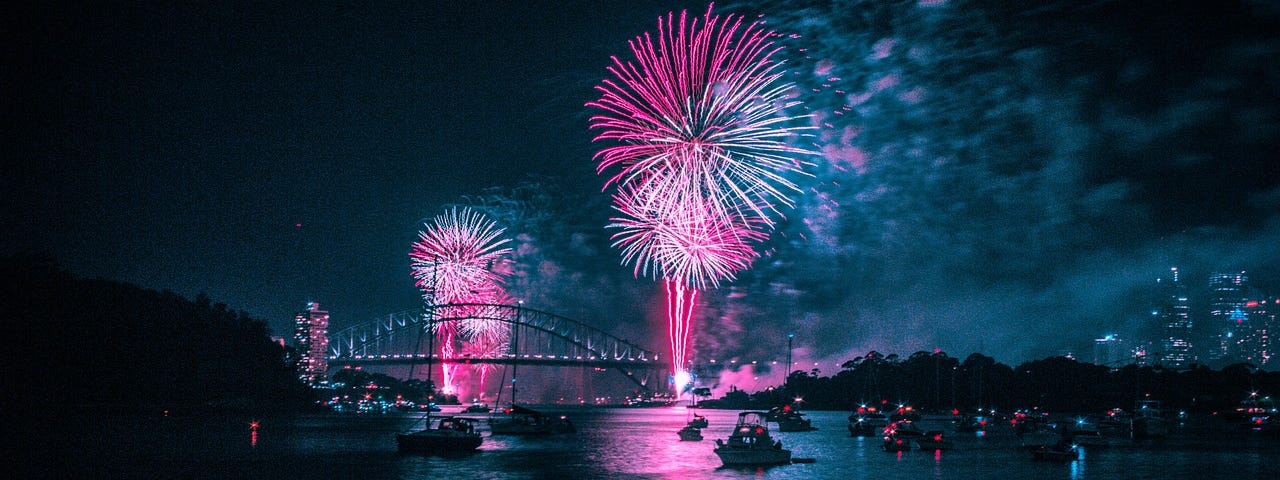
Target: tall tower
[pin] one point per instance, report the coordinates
(1173, 314)
(1266, 331)
(1227, 319)
(311, 336)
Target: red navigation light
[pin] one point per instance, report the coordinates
(862, 409)
(786, 408)
(759, 430)
(937, 438)
(253, 425)
(955, 411)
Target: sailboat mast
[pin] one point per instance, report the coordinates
(431, 337)
(515, 347)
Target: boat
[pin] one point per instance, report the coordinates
(904, 429)
(1086, 435)
(1039, 437)
(477, 408)
(794, 421)
(1062, 452)
(1115, 422)
(1149, 420)
(905, 412)
(698, 421)
(519, 420)
(690, 433)
(970, 423)
(933, 440)
(442, 435)
(894, 443)
(427, 407)
(867, 424)
(750, 443)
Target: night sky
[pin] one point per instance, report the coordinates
(995, 177)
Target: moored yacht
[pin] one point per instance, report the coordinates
(519, 420)
(443, 434)
(690, 433)
(750, 443)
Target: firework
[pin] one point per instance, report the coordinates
(486, 347)
(707, 101)
(702, 148)
(680, 235)
(457, 254)
(457, 259)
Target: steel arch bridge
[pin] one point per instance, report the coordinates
(536, 338)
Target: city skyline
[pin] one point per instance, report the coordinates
(1008, 180)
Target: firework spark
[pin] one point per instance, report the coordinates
(457, 259)
(703, 147)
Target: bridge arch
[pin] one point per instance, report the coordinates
(541, 338)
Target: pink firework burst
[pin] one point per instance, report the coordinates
(457, 257)
(681, 235)
(703, 146)
(706, 99)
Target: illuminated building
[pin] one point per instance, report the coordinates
(1172, 313)
(1257, 342)
(1227, 322)
(311, 337)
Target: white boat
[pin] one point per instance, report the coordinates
(444, 434)
(750, 443)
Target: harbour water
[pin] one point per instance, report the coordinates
(610, 443)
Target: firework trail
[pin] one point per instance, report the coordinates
(457, 259)
(702, 147)
(486, 347)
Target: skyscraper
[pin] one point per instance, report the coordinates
(1257, 342)
(1228, 323)
(1173, 315)
(311, 336)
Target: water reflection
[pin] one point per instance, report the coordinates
(616, 443)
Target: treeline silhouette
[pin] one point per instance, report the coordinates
(102, 343)
(937, 382)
